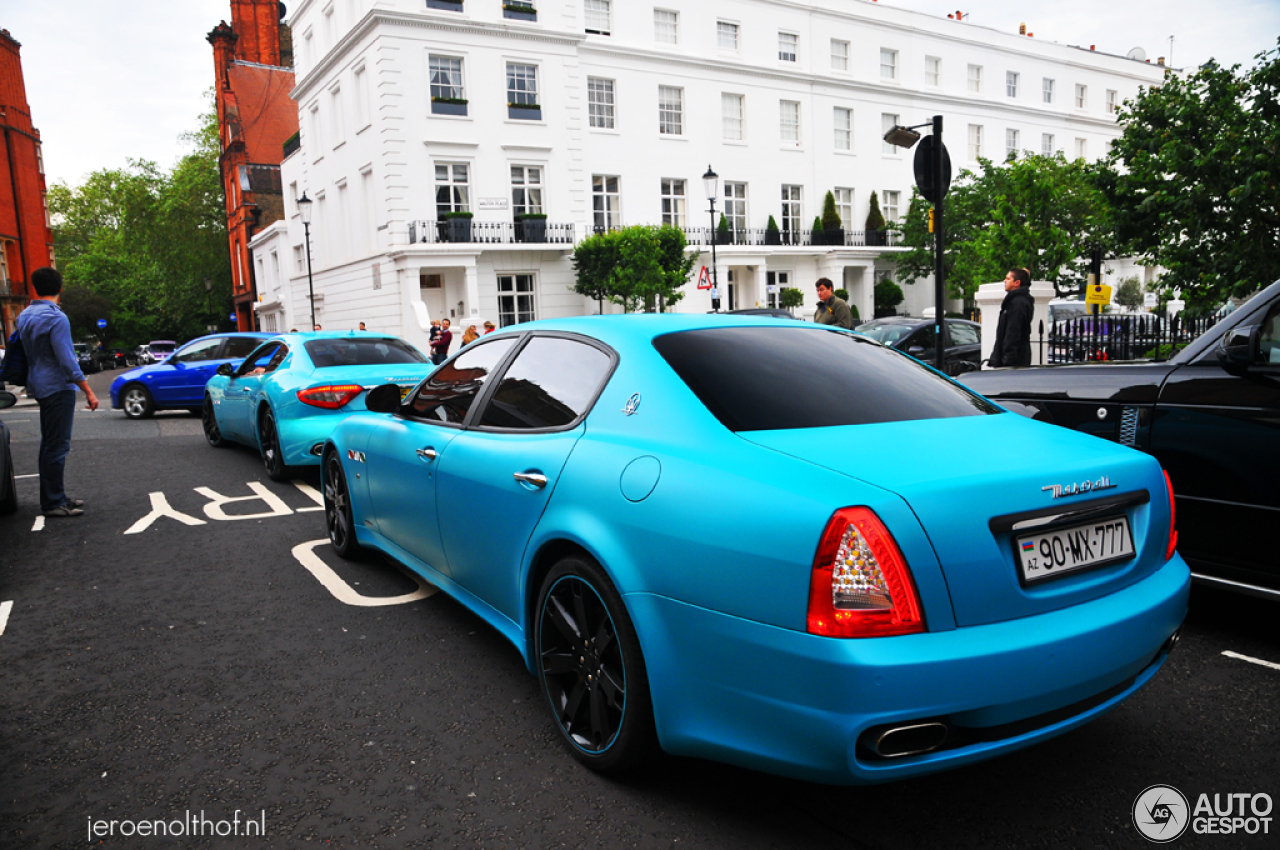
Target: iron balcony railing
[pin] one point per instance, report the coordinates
(1140, 336)
(465, 230)
(755, 236)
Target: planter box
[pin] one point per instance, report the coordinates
(531, 15)
(446, 5)
(723, 237)
(522, 113)
(876, 238)
(531, 230)
(440, 107)
(454, 230)
(829, 237)
(773, 237)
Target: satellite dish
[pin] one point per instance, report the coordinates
(1137, 53)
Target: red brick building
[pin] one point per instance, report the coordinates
(252, 61)
(26, 239)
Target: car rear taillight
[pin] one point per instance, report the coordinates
(1173, 527)
(329, 397)
(860, 585)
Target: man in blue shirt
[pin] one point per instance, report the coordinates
(52, 377)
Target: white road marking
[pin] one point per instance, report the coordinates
(1258, 661)
(213, 510)
(343, 592)
(5, 608)
(38, 525)
(160, 507)
(311, 493)
(32, 475)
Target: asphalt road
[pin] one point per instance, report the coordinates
(196, 664)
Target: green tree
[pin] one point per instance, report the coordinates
(1129, 293)
(1041, 213)
(144, 240)
(790, 298)
(1194, 179)
(639, 267)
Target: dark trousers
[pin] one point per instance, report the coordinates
(57, 412)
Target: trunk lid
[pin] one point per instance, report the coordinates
(969, 479)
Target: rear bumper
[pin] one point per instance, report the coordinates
(795, 704)
(298, 436)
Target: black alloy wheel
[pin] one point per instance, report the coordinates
(337, 508)
(591, 669)
(212, 433)
(136, 402)
(269, 445)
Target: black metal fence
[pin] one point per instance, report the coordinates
(755, 236)
(490, 232)
(1142, 336)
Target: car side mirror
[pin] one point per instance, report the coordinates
(1237, 346)
(916, 351)
(226, 369)
(383, 399)
(7, 399)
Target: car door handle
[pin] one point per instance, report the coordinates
(537, 479)
(428, 453)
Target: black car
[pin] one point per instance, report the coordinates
(111, 358)
(88, 362)
(915, 336)
(1210, 415)
(8, 486)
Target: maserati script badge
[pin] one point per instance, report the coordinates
(632, 404)
(1061, 491)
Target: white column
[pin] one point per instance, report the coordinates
(989, 298)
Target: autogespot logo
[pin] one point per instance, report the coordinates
(1160, 813)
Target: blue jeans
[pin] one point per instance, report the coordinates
(57, 412)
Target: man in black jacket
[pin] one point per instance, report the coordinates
(1013, 333)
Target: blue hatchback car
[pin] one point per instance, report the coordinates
(178, 381)
(770, 543)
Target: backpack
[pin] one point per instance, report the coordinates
(15, 362)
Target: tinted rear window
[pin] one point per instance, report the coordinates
(763, 379)
(360, 351)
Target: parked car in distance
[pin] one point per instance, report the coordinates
(160, 349)
(84, 356)
(178, 383)
(112, 358)
(699, 533)
(914, 336)
(287, 396)
(1210, 415)
(774, 312)
(8, 482)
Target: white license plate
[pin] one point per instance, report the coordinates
(1047, 554)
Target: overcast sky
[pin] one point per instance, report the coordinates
(109, 82)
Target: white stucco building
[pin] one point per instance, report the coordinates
(598, 114)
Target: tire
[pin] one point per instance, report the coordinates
(338, 516)
(9, 504)
(208, 418)
(269, 447)
(137, 402)
(591, 670)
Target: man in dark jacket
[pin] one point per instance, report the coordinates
(832, 310)
(1013, 333)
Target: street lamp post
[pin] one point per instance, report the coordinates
(208, 294)
(711, 183)
(933, 178)
(304, 210)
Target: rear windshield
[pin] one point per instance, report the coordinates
(361, 351)
(162, 346)
(888, 334)
(764, 379)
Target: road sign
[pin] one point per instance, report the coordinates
(1098, 293)
(704, 279)
(233, 317)
(925, 181)
(102, 323)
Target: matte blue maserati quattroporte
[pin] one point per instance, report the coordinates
(774, 544)
(291, 391)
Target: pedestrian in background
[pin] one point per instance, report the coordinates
(440, 348)
(52, 377)
(832, 310)
(1013, 331)
(362, 327)
(488, 328)
(470, 334)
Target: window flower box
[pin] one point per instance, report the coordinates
(524, 111)
(448, 106)
(455, 227)
(531, 227)
(446, 5)
(519, 12)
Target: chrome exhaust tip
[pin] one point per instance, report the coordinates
(1172, 641)
(910, 740)
(317, 449)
